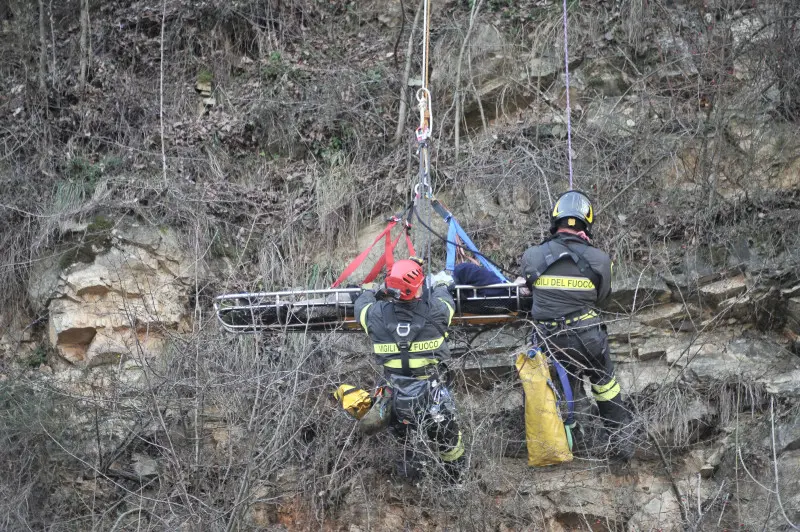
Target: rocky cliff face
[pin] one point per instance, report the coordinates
(133, 293)
(117, 387)
(706, 355)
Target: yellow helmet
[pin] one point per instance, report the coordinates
(354, 401)
(576, 207)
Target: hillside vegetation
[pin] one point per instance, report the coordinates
(268, 139)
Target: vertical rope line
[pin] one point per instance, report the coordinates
(161, 94)
(569, 118)
(424, 147)
(428, 240)
(425, 204)
(426, 40)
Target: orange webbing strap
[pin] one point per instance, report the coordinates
(387, 259)
(363, 255)
(460, 255)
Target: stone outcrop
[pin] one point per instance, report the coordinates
(127, 300)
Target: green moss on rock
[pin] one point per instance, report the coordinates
(96, 239)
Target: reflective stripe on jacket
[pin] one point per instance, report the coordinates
(562, 290)
(422, 324)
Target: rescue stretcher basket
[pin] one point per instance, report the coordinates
(331, 309)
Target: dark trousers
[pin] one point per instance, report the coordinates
(583, 350)
(426, 406)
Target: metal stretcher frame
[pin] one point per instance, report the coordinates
(332, 309)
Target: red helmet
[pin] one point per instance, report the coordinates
(406, 276)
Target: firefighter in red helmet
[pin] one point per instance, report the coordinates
(409, 338)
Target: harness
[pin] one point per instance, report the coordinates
(404, 335)
(569, 320)
(558, 250)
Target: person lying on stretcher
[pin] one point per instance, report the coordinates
(473, 274)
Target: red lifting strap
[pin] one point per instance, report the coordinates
(387, 259)
(363, 255)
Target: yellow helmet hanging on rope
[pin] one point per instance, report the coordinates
(576, 207)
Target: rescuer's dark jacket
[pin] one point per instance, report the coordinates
(561, 285)
(418, 326)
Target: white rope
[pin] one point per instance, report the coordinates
(423, 191)
(426, 39)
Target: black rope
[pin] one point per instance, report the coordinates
(404, 214)
(446, 241)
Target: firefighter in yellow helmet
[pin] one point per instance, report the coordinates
(569, 278)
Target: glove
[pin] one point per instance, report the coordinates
(366, 287)
(372, 287)
(387, 294)
(523, 288)
(442, 279)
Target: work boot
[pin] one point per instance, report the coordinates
(619, 423)
(588, 440)
(454, 472)
(412, 466)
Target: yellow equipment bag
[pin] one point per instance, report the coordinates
(355, 401)
(544, 429)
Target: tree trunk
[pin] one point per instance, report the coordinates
(476, 7)
(53, 71)
(42, 49)
(85, 52)
(401, 115)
